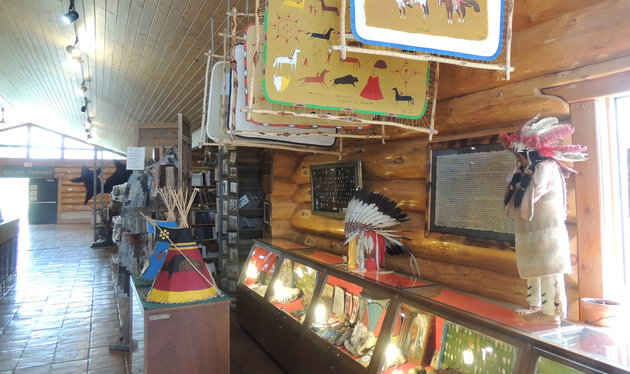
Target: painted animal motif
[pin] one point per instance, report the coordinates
(401, 8)
(319, 78)
(298, 4)
(346, 79)
(350, 60)
(179, 263)
(279, 61)
(87, 177)
(423, 4)
(325, 36)
(408, 99)
(281, 82)
(333, 9)
(459, 7)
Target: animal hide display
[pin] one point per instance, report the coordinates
(120, 176)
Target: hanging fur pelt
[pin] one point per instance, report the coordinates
(373, 212)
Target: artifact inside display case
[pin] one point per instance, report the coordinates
(348, 317)
(259, 269)
(410, 346)
(466, 348)
(293, 289)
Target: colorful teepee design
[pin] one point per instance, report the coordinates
(183, 276)
(153, 265)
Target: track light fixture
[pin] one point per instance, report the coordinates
(73, 49)
(72, 14)
(82, 89)
(2, 120)
(84, 107)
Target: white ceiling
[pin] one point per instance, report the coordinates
(143, 62)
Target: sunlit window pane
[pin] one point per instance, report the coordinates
(107, 155)
(78, 154)
(37, 152)
(17, 136)
(76, 144)
(41, 137)
(13, 152)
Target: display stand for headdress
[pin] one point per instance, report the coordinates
(501, 63)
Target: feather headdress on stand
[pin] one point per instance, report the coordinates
(375, 213)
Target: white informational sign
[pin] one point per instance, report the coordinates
(135, 158)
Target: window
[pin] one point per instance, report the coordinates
(619, 150)
(31, 141)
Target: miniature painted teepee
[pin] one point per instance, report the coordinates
(183, 276)
(154, 263)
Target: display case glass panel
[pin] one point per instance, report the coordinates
(293, 288)
(409, 345)
(594, 341)
(321, 256)
(547, 366)
(349, 318)
(259, 269)
(474, 352)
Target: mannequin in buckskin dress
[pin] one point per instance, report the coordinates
(537, 193)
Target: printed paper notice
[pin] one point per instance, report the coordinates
(135, 158)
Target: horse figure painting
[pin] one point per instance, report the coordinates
(458, 6)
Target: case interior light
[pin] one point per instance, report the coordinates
(391, 354)
(251, 272)
(468, 357)
(299, 272)
(320, 314)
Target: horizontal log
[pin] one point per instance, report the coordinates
(481, 282)
(401, 159)
(282, 209)
(516, 102)
(285, 162)
(302, 173)
(283, 229)
(409, 194)
(304, 221)
(303, 194)
(327, 244)
(282, 187)
(554, 45)
(532, 13)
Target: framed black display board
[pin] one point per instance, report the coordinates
(466, 188)
(333, 186)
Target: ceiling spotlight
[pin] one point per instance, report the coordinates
(84, 107)
(82, 90)
(73, 49)
(87, 124)
(72, 14)
(2, 120)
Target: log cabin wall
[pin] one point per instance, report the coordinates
(554, 43)
(71, 195)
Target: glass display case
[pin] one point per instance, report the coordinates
(292, 290)
(412, 341)
(314, 316)
(259, 269)
(348, 317)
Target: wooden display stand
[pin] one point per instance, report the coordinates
(184, 338)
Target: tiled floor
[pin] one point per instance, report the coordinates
(61, 315)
